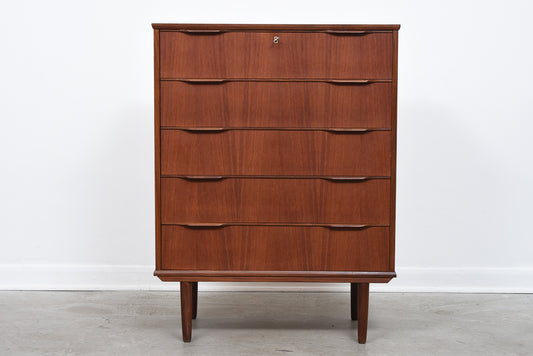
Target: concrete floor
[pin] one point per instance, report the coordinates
(148, 323)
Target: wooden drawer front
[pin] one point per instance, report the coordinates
(274, 152)
(275, 104)
(264, 200)
(275, 248)
(254, 55)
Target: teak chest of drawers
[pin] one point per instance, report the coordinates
(275, 156)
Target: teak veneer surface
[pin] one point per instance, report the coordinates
(274, 201)
(287, 104)
(255, 55)
(275, 152)
(289, 248)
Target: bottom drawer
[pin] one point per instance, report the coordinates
(275, 248)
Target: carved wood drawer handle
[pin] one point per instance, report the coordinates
(348, 81)
(346, 33)
(348, 131)
(346, 179)
(339, 227)
(204, 81)
(203, 178)
(203, 32)
(203, 129)
(204, 226)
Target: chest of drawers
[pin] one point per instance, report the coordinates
(275, 156)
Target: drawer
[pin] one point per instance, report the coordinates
(275, 248)
(276, 104)
(275, 152)
(296, 55)
(279, 200)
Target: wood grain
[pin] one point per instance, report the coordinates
(281, 248)
(275, 104)
(272, 152)
(275, 201)
(297, 55)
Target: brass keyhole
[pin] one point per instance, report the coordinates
(276, 39)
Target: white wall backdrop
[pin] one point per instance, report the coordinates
(76, 138)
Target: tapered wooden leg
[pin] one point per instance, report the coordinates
(194, 299)
(362, 311)
(186, 310)
(353, 300)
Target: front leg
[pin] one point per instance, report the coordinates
(186, 310)
(362, 311)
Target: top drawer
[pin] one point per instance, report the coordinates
(318, 55)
